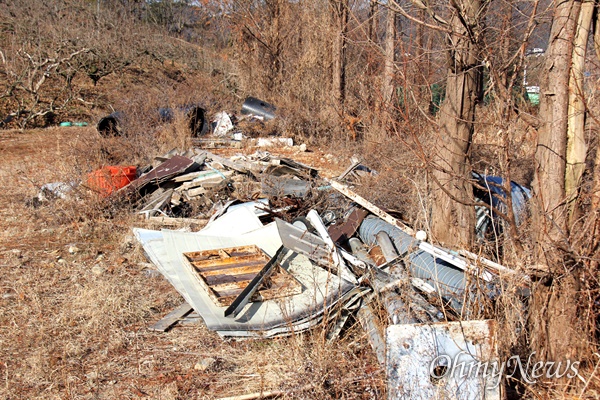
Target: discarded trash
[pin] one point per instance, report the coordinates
(69, 123)
(449, 281)
(269, 248)
(55, 190)
(268, 142)
(320, 290)
(355, 170)
(112, 125)
(259, 108)
(490, 190)
(453, 360)
(109, 179)
(222, 124)
(226, 272)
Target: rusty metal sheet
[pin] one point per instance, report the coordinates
(168, 169)
(340, 233)
(453, 360)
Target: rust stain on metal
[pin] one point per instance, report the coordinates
(340, 233)
(377, 255)
(168, 169)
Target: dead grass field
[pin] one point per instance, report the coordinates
(76, 303)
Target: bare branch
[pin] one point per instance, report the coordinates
(443, 25)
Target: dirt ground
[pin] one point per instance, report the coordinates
(77, 296)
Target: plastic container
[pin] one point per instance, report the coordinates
(108, 180)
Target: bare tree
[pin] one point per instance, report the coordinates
(452, 213)
(559, 330)
(576, 146)
(388, 84)
(340, 28)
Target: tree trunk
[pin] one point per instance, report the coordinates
(556, 330)
(275, 49)
(576, 146)
(340, 18)
(453, 216)
(387, 87)
(549, 181)
(373, 21)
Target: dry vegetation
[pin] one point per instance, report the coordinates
(77, 293)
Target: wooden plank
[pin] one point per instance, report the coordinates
(371, 207)
(177, 221)
(235, 270)
(220, 279)
(231, 268)
(226, 252)
(171, 318)
(279, 284)
(195, 192)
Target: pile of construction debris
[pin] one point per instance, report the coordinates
(261, 246)
(283, 250)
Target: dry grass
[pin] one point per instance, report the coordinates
(73, 324)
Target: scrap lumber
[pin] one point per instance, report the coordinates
(244, 297)
(226, 273)
(239, 166)
(191, 193)
(343, 189)
(171, 318)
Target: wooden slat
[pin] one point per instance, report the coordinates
(220, 279)
(235, 269)
(372, 207)
(171, 318)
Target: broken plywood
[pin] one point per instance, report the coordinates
(225, 273)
